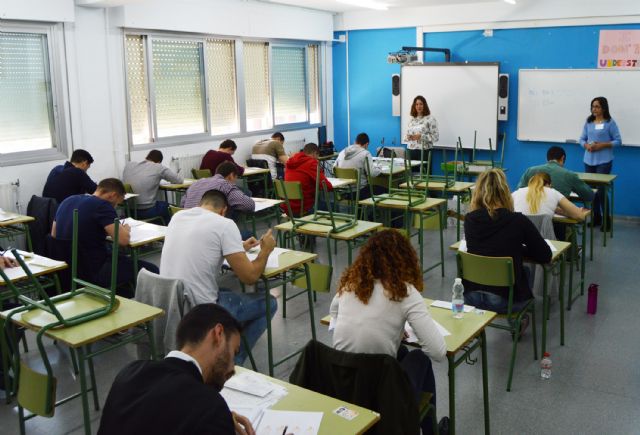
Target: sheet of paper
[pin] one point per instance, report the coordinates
(332, 324)
(264, 203)
(447, 305)
(249, 383)
(289, 422)
(553, 248)
(272, 261)
(132, 222)
(413, 338)
(140, 233)
(463, 246)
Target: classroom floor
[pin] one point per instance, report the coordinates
(595, 386)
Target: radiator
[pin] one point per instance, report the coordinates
(184, 164)
(9, 199)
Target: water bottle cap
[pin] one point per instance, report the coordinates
(458, 281)
(546, 354)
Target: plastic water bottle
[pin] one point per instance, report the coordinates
(545, 366)
(457, 298)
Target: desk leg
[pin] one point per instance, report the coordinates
(83, 391)
(420, 236)
(611, 210)
(452, 393)
(561, 291)
(458, 216)
(545, 309)
(92, 378)
(4, 350)
(591, 238)
(485, 382)
(134, 258)
(27, 235)
(269, 337)
(605, 212)
(309, 291)
(583, 257)
(349, 252)
(441, 217)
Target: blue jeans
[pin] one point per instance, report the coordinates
(492, 302)
(161, 208)
(250, 310)
(417, 365)
(598, 201)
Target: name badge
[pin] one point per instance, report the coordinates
(599, 126)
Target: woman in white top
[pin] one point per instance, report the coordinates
(422, 131)
(376, 296)
(540, 198)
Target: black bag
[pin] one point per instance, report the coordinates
(326, 149)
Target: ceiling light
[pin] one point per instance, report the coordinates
(370, 4)
(511, 2)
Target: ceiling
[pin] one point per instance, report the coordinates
(334, 6)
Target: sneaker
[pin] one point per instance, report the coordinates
(443, 426)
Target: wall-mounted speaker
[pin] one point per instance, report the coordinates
(395, 94)
(503, 97)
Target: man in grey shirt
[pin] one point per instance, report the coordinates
(144, 178)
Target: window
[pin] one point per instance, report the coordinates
(289, 84)
(256, 84)
(26, 101)
(184, 88)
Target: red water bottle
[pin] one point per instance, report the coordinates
(592, 299)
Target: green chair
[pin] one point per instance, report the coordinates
(85, 302)
(289, 191)
(201, 173)
(320, 277)
(498, 271)
(173, 210)
(350, 198)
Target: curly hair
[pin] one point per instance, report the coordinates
(389, 257)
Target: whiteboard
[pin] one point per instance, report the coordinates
(553, 104)
(462, 98)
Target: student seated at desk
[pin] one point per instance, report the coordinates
(493, 229)
(70, 178)
(356, 156)
(303, 167)
(540, 198)
(144, 178)
(223, 181)
(181, 393)
(271, 150)
(198, 240)
(376, 295)
(213, 158)
(96, 214)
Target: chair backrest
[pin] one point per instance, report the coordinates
(320, 277)
(201, 173)
(173, 210)
(287, 191)
(347, 173)
(374, 381)
(128, 188)
(544, 224)
(44, 211)
(257, 163)
(490, 271)
(37, 392)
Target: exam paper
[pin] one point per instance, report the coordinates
(272, 261)
(447, 305)
(553, 248)
(413, 338)
(250, 405)
(289, 422)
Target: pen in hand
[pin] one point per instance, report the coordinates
(284, 432)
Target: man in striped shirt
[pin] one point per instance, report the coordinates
(225, 182)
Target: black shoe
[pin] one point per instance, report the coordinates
(443, 426)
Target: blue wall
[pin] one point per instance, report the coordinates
(552, 47)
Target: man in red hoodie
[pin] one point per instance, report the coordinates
(303, 167)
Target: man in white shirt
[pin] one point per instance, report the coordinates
(197, 242)
(357, 156)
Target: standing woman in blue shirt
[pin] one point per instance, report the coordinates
(599, 135)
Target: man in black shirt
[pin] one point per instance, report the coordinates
(71, 178)
(180, 394)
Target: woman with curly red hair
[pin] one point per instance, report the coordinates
(376, 295)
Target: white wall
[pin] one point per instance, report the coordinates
(37, 10)
(95, 68)
(482, 15)
(228, 17)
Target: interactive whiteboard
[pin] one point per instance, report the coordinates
(553, 104)
(463, 97)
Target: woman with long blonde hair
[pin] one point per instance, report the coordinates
(540, 198)
(376, 295)
(493, 229)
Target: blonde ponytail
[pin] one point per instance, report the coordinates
(536, 193)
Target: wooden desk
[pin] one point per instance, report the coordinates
(459, 188)
(338, 183)
(266, 209)
(605, 182)
(301, 399)
(13, 225)
(178, 189)
(143, 234)
(557, 257)
(259, 174)
(574, 248)
(467, 334)
(129, 314)
(292, 265)
(420, 210)
(350, 235)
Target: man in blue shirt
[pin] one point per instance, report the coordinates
(96, 216)
(70, 178)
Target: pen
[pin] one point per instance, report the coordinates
(284, 432)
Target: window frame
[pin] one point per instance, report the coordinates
(58, 98)
(294, 125)
(240, 88)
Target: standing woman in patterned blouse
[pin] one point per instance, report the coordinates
(422, 131)
(599, 135)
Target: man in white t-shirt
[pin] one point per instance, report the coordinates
(198, 240)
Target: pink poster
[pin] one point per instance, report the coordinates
(619, 49)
